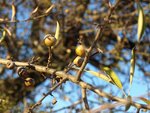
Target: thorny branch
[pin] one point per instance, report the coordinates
(98, 35)
(45, 95)
(84, 97)
(82, 84)
(3, 21)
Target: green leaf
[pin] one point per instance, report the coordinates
(99, 75)
(141, 22)
(3, 36)
(132, 67)
(113, 77)
(57, 31)
(145, 100)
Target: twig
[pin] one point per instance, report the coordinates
(84, 97)
(28, 19)
(45, 95)
(81, 83)
(106, 106)
(49, 57)
(68, 107)
(88, 54)
(99, 32)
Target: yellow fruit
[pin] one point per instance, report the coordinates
(78, 61)
(22, 72)
(67, 11)
(54, 101)
(80, 50)
(49, 40)
(29, 82)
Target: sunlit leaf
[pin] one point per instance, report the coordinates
(99, 75)
(141, 22)
(3, 35)
(132, 67)
(49, 9)
(57, 31)
(145, 100)
(8, 31)
(13, 12)
(115, 79)
(1, 19)
(35, 10)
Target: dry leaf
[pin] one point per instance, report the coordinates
(132, 67)
(35, 11)
(57, 31)
(141, 22)
(3, 36)
(8, 31)
(13, 12)
(49, 9)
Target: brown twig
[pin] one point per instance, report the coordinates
(49, 57)
(81, 83)
(84, 97)
(98, 35)
(68, 107)
(28, 19)
(88, 54)
(45, 95)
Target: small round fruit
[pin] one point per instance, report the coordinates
(67, 11)
(78, 61)
(22, 72)
(80, 50)
(54, 101)
(29, 82)
(49, 40)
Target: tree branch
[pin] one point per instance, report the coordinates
(81, 83)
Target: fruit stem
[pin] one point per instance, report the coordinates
(49, 57)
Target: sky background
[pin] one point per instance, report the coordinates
(139, 85)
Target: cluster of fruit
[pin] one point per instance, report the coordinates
(50, 40)
(80, 51)
(23, 73)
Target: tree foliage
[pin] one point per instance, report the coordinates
(31, 72)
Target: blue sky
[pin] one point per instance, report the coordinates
(139, 86)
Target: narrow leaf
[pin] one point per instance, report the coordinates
(13, 12)
(49, 9)
(128, 105)
(145, 100)
(132, 67)
(3, 36)
(113, 77)
(57, 31)
(1, 20)
(35, 10)
(8, 31)
(141, 22)
(99, 75)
